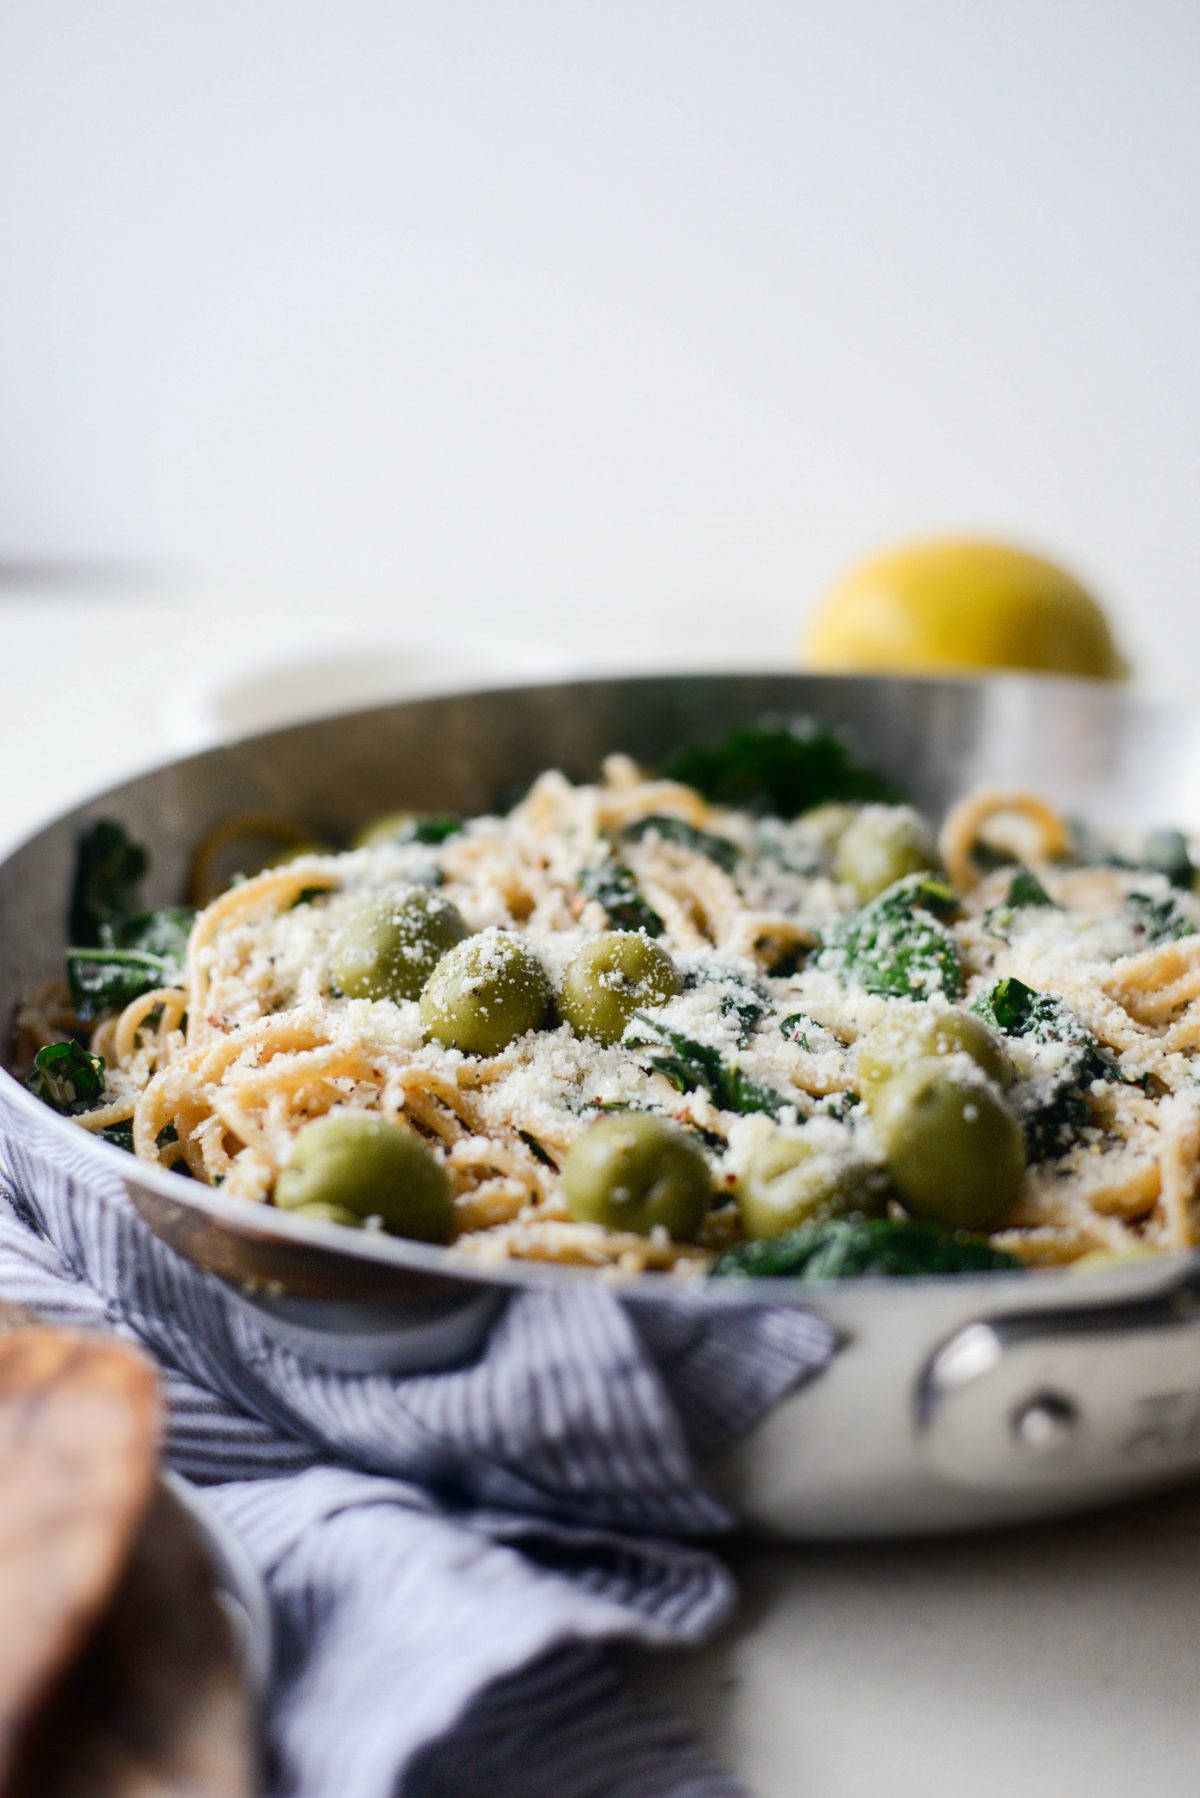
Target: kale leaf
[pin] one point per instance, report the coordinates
(895, 945)
(740, 997)
(1017, 1010)
(119, 1135)
(1052, 1122)
(839, 1105)
(1163, 851)
(108, 871)
(1025, 889)
(536, 1149)
(1160, 919)
(613, 885)
(987, 857)
(676, 830)
(695, 1067)
(781, 766)
(792, 1028)
(434, 829)
(849, 1248)
(67, 1077)
(1052, 1117)
(1166, 851)
(136, 955)
(709, 1138)
(118, 952)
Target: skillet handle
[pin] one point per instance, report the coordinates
(1108, 1395)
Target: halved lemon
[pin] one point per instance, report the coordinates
(961, 603)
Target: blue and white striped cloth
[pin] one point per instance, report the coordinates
(445, 1553)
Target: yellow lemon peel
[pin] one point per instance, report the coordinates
(948, 604)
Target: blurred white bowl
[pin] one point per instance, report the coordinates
(331, 678)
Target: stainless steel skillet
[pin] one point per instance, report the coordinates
(950, 1403)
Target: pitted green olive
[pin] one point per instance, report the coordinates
(283, 858)
(326, 1212)
(484, 993)
(953, 1149)
(403, 828)
(390, 946)
(613, 976)
(392, 827)
(636, 1172)
(825, 824)
(922, 1034)
(790, 1181)
(882, 845)
(364, 1164)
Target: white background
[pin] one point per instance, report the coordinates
(503, 311)
(620, 328)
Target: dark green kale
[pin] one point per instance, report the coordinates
(781, 766)
(108, 872)
(675, 830)
(136, 955)
(119, 1135)
(851, 1248)
(1162, 851)
(1025, 889)
(709, 1138)
(695, 1067)
(1017, 1010)
(838, 1105)
(795, 1028)
(1053, 1114)
(163, 933)
(117, 951)
(67, 1077)
(434, 829)
(1166, 851)
(740, 996)
(1052, 1121)
(536, 1150)
(987, 858)
(1160, 919)
(613, 885)
(896, 946)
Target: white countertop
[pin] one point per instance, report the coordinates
(1055, 1662)
(1051, 1662)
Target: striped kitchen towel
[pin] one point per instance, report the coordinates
(446, 1552)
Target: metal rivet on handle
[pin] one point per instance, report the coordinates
(1045, 1423)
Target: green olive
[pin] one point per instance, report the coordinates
(407, 827)
(616, 974)
(636, 1172)
(953, 1149)
(391, 946)
(907, 1036)
(361, 1163)
(789, 1182)
(825, 824)
(283, 857)
(392, 827)
(326, 1212)
(484, 993)
(882, 845)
